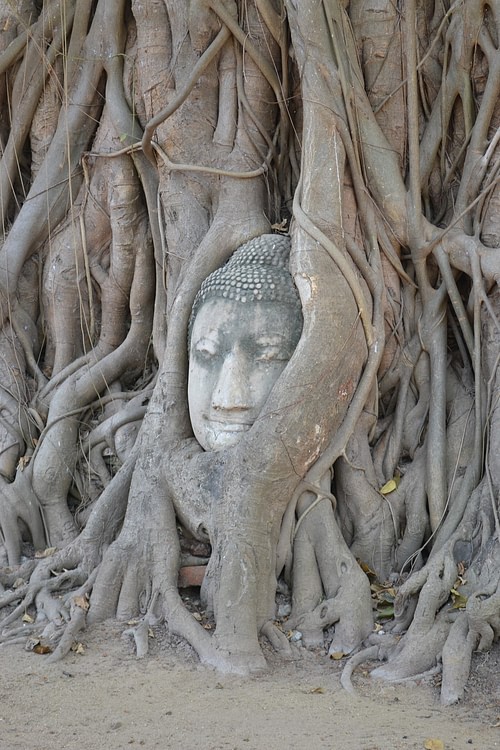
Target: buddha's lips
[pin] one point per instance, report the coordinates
(223, 426)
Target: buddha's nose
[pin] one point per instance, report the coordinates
(232, 392)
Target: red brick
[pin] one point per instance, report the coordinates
(191, 575)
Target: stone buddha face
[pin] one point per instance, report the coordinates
(241, 338)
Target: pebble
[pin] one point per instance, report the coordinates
(284, 610)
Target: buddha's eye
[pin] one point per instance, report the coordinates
(271, 354)
(206, 350)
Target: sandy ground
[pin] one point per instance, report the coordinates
(106, 698)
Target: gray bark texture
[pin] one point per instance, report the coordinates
(141, 143)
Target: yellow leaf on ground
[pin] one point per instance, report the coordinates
(434, 745)
(320, 690)
(337, 655)
(27, 618)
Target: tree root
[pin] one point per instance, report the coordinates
(140, 634)
(476, 627)
(417, 652)
(380, 646)
(278, 640)
(367, 653)
(68, 637)
(324, 566)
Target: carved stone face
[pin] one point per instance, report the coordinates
(237, 352)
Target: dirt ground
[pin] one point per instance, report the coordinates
(106, 698)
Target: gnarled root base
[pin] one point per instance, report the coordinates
(323, 566)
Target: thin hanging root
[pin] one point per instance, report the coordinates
(370, 653)
(205, 60)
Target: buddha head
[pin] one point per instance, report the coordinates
(245, 324)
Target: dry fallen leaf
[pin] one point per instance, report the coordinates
(82, 602)
(434, 744)
(23, 462)
(337, 655)
(40, 649)
(366, 569)
(45, 552)
(78, 648)
(27, 618)
(281, 227)
(197, 616)
(320, 690)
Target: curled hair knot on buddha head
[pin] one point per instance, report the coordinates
(256, 272)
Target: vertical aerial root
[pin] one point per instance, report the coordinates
(457, 655)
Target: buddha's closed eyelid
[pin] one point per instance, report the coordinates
(267, 348)
(271, 353)
(206, 348)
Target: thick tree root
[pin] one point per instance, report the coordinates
(69, 636)
(457, 655)
(475, 628)
(324, 566)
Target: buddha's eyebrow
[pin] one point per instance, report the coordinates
(270, 339)
(211, 335)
